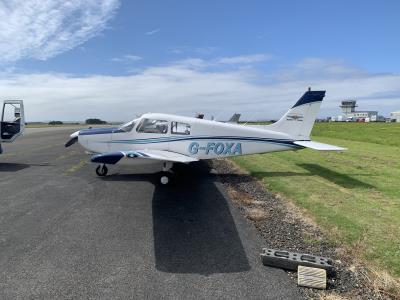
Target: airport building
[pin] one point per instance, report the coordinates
(350, 114)
(395, 116)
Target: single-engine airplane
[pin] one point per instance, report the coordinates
(12, 124)
(167, 139)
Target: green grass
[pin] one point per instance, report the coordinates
(354, 195)
(378, 133)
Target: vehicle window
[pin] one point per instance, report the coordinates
(180, 128)
(128, 126)
(153, 126)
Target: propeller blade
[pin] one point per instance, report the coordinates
(71, 142)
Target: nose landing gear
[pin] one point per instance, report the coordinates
(101, 170)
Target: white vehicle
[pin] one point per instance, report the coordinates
(167, 139)
(12, 124)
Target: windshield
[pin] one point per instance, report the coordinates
(128, 126)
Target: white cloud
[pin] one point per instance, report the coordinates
(127, 58)
(185, 88)
(245, 59)
(317, 67)
(193, 63)
(151, 32)
(43, 29)
(206, 50)
(242, 61)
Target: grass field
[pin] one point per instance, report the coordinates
(353, 195)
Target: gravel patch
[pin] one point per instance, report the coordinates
(286, 227)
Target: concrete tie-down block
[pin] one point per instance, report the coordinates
(290, 260)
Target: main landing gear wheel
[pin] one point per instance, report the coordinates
(165, 178)
(166, 174)
(101, 170)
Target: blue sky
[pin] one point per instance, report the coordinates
(90, 58)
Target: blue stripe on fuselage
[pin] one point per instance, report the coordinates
(285, 142)
(93, 131)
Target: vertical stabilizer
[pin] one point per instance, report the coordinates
(299, 120)
(235, 118)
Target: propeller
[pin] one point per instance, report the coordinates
(73, 139)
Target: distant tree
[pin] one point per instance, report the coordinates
(55, 123)
(95, 121)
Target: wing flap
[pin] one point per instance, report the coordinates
(319, 146)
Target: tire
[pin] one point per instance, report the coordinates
(165, 178)
(102, 170)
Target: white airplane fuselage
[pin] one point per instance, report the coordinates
(206, 140)
(167, 139)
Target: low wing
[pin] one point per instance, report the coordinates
(319, 146)
(161, 155)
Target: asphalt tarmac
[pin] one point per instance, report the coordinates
(66, 233)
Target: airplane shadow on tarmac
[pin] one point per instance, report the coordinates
(194, 231)
(15, 167)
(12, 167)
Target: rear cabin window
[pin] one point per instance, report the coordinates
(153, 126)
(180, 128)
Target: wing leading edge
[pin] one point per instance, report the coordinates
(161, 155)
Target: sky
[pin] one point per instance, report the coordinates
(116, 59)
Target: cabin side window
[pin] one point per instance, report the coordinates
(180, 128)
(153, 126)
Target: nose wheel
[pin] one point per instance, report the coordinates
(101, 170)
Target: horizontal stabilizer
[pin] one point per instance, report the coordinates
(319, 146)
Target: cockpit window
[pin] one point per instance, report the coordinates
(153, 126)
(180, 128)
(128, 126)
